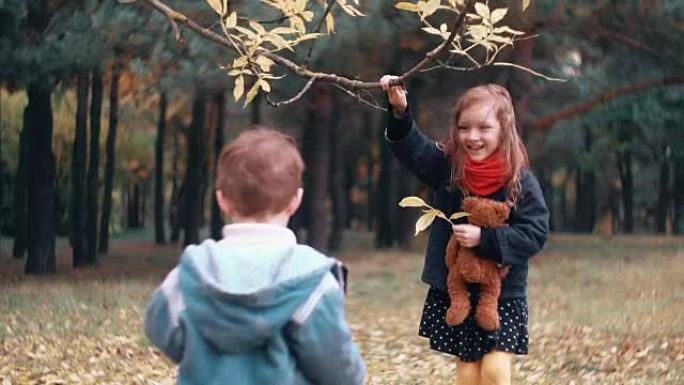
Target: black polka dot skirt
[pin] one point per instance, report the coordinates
(468, 341)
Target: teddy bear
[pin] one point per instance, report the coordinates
(466, 267)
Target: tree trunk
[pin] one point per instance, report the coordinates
(255, 111)
(336, 181)
(384, 192)
(317, 134)
(193, 173)
(663, 196)
(144, 194)
(131, 209)
(41, 182)
(548, 190)
(520, 84)
(77, 211)
(585, 203)
(216, 219)
(678, 198)
(369, 124)
(159, 236)
(94, 167)
(20, 191)
(2, 176)
(176, 206)
(109, 165)
(350, 176)
(625, 168)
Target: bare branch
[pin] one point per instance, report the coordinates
(360, 99)
(294, 98)
(627, 40)
(546, 122)
(523, 68)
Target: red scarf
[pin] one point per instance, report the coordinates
(485, 177)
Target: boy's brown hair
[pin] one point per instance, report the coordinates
(260, 172)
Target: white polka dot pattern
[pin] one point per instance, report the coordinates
(467, 340)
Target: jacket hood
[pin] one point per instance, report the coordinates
(242, 290)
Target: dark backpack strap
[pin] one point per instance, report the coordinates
(340, 272)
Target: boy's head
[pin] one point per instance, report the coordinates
(259, 175)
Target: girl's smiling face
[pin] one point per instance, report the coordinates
(479, 131)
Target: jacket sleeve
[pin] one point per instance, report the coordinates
(162, 319)
(527, 232)
(322, 341)
(416, 152)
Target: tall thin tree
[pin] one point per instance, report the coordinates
(20, 190)
(110, 151)
(41, 163)
(193, 172)
(159, 235)
(94, 166)
(216, 220)
(77, 205)
(41, 181)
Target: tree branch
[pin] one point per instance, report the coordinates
(626, 40)
(294, 98)
(328, 8)
(344, 82)
(432, 55)
(360, 98)
(546, 122)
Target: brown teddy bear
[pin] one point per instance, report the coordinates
(466, 267)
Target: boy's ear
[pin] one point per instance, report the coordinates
(224, 204)
(295, 202)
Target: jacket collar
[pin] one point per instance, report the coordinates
(258, 233)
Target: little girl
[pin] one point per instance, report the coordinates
(483, 156)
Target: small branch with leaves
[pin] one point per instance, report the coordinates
(429, 213)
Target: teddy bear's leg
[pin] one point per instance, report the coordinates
(487, 313)
(458, 294)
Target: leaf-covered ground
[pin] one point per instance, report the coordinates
(602, 311)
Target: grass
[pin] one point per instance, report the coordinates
(602, 311)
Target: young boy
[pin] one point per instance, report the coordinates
(255, 307)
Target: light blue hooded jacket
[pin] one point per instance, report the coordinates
(254, 308)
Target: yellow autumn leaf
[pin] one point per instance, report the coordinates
(252, 93)
(498, 14)
(412, 202)
(264, 85)
(430, 7)
(458, 214)
(216, 6)
(406, 6)
(425, 221)
(330, 23)
(525, 4)
(239, 88)
(482, 10)
(231, 21)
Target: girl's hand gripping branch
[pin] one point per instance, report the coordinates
(396, 94)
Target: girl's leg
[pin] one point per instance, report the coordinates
(496, 368)
(468, 373)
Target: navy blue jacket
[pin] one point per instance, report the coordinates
(528, 222)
